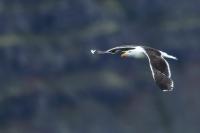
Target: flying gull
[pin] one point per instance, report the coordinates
(159, 66)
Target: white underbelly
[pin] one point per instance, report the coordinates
(138, 55)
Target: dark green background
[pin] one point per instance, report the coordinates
(50, 82)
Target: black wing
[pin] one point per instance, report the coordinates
(120, 49)
(157, 61)
(160, 69)
(165, 83)
(114, 50)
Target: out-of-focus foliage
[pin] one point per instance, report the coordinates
(50, 83)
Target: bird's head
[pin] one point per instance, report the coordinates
(137, 52)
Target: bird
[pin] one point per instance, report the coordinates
(159, 66)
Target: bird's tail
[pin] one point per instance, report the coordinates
(168, 56)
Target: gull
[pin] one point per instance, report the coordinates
(159, 67)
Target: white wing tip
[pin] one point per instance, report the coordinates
(171, 89)
(168, 90)
(92, 51)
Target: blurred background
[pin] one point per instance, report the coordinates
(50, 82)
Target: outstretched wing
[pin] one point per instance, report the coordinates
(114, 50)
(160, 69)
(120, 49)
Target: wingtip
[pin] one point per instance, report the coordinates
(92, 51)
(168, 90)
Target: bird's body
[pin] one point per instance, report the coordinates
(159, 66)
(137, 52)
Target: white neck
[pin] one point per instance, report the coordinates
(138, 52)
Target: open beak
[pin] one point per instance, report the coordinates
(124, 54)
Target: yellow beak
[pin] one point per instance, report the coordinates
(124, 55)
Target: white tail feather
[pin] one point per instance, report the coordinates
(168, 56)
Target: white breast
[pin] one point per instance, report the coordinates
(138, 52)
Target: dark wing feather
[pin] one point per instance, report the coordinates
(159, 64)
(164, 82)
(157, 61)
(115, 50)
(152, 51)
(120, 49)
(160, 69)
